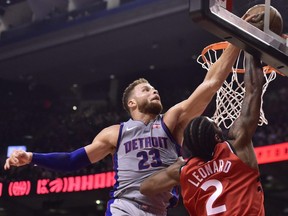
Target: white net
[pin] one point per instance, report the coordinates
(230, 96)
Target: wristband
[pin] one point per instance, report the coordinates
(62, 161)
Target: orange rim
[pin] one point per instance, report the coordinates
(223, 45)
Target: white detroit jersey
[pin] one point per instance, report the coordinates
(141, 151)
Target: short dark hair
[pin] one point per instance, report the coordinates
(128, 90)
(199, 138)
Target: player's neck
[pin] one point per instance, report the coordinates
(144, 117)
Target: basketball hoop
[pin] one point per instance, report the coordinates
(230, 96)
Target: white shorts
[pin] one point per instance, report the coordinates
(125, 207)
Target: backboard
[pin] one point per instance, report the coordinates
(217, 17)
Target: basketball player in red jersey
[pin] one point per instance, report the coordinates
(221, 177)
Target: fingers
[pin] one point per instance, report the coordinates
(17, 154)
(257, 18)
(249, 17)
(13, 160)
(7, 164)
(245, 16)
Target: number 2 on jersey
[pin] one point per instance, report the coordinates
(217, 184)
(154, 153)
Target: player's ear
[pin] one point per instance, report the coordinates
(218, 138)
(132, 103)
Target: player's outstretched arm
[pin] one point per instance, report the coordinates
(178, 117)
(163, 180)
(182, 113)
(103, 144)
(58, 161)
(243, 129)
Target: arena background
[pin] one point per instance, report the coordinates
(63, 68)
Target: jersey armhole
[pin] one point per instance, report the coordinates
(120, 136)
(169, 134)
(232, 149)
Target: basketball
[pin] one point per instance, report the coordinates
(276, 21)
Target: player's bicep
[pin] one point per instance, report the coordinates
(103, 144)
(238, 136)
(182, 113)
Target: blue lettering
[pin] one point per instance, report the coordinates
(163, 141)
(134, 144)
(127, 146)
(141, 143)
(147, 142)
(154, 141)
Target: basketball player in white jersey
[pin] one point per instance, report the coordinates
(146, 143)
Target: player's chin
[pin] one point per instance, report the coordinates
(156, 102)
(155, 107)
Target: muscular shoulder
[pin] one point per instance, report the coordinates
(111, 129)
(109, 135)
(173, 123)
(103, 144)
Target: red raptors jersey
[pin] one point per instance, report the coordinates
(222, 186)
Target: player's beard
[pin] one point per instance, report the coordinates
(151, 108)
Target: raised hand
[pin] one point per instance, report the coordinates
(18, 158)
